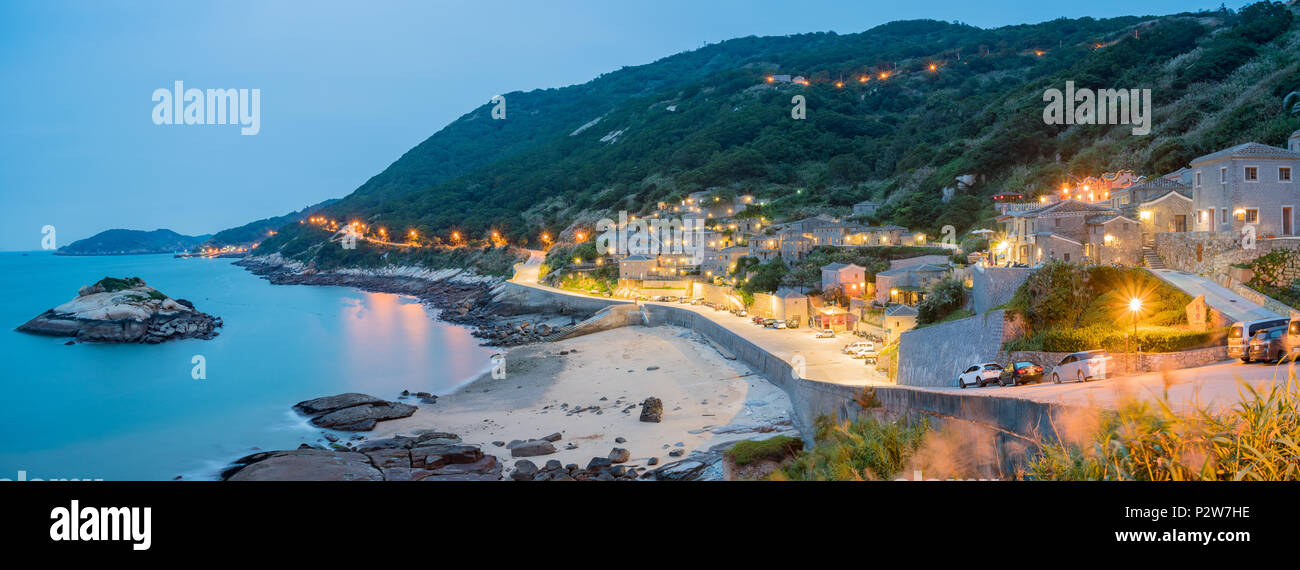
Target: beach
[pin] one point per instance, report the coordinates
(589, 390)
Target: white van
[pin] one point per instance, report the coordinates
(1240, 332)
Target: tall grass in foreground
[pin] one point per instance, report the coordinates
(865, 449)
(1255, 440)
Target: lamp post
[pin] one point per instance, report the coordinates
(1135, 307)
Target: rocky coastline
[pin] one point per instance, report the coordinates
(123, 311)
(461, 297)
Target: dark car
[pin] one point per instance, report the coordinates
(1021, 373)
(1268, 345)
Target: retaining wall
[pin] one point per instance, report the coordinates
(933, 356)
(994, 286)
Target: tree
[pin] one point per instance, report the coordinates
(943, 298)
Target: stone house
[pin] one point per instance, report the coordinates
(907, 285)
(794, 247)
(1250, 184)
(849, 277)
(1112, 239)
(1168, 212)
(722, 261)
(865, 208)
(637, 267)
(1061, 230)
(899, 319)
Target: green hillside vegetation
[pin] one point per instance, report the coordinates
(1069, 308)
(256, 231)
(709, 119)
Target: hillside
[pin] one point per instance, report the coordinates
(129, 242)
(255, 231)
(894, 114)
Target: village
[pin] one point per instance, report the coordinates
(1192, 229)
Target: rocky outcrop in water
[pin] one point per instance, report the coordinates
(124, 311)
(352, 411)
(426, 456)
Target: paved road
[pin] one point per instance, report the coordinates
(1215, 385)
(1232, 305)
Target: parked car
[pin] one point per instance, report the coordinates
(1021, 373)
(741, 312)
(826, 333)
(1240, 333)
(854, 346)
(1081, 366)
(864, 352)
(792, 323)
(777, 324)
(697, 301)
(1268, 345)
(767, 322)
(980, 375)
(758, 320)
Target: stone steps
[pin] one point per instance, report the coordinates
(1152, 259)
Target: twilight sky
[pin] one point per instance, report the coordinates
(346, 88)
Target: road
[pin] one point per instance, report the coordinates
(1234, 306)
(822, 358)
(1214, 385)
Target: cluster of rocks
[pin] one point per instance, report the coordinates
(609, 468)
(468, 303)
(125, 311)
(425, 456)
(352, 411)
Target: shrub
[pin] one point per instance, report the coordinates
(943, 298)
(775, 449)
(864, 449)
(1255, 440)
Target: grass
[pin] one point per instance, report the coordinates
(1255, 440)
(775, 449)
(114, 284)
(865, 449)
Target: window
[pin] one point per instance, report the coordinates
(1201, 217)
(1198, 178)
(1252, 174)
(1284, 174)
(1252, 216)
(1223, 215)
(1223, 174)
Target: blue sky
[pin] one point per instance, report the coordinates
(347, 87)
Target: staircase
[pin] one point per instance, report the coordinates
(1152, 259)
(570, 330)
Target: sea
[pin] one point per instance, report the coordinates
(138, 412)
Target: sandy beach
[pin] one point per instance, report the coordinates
(707, 399)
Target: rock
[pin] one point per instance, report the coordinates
(598, 462)
(329, 404)
(530, 448)
(363, 417)
(652, 410)
(553, 437)
(676, 453)
(123, 310)
(309, 465)
(619, 455)
(684, 470)
(620, 440)
(652, 461)
(552, 465)
(652, 368)
(499, 443)
(524, 470)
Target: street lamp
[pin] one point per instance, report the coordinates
(1135, 307)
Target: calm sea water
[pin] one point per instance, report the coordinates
(133, 412)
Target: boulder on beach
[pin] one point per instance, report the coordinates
(530, 448)
(426, 456)
(652, 410)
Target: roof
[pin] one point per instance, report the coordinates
(791, 294)
(1169, 194)
(839, 266)
(1063, 207)
(1248, 150)
(1054, 235)
(900, 311)
(1106, 218)
(922, 268)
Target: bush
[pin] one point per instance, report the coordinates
(775, 449)
(943, 298)
(862, 450)
(1149, 339)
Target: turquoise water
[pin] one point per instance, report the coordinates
(133, 412)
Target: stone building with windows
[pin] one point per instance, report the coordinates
(1250, 184)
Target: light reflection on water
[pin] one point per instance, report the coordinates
(133, 412)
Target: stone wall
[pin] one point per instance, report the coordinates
(1214, 253)
(994, 286)
(934, 355)
(1122, 363)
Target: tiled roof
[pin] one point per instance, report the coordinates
(1063, 207)
(900, 310)
(839, 266)
(1248, 150)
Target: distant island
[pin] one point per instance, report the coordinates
(132, 242)
(125, 311)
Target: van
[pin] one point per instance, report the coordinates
(1240, 332)
(1293, 338)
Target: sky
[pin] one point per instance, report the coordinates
(346, 88)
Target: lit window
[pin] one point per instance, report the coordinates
(1252, 216)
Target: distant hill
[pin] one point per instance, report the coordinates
(893, 115)
(254, 232)
(131, 242)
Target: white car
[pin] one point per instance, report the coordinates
(864, 352)
(855, 346)
(980, 375)
(826, 333)
(1081, 366)
(779, 325)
